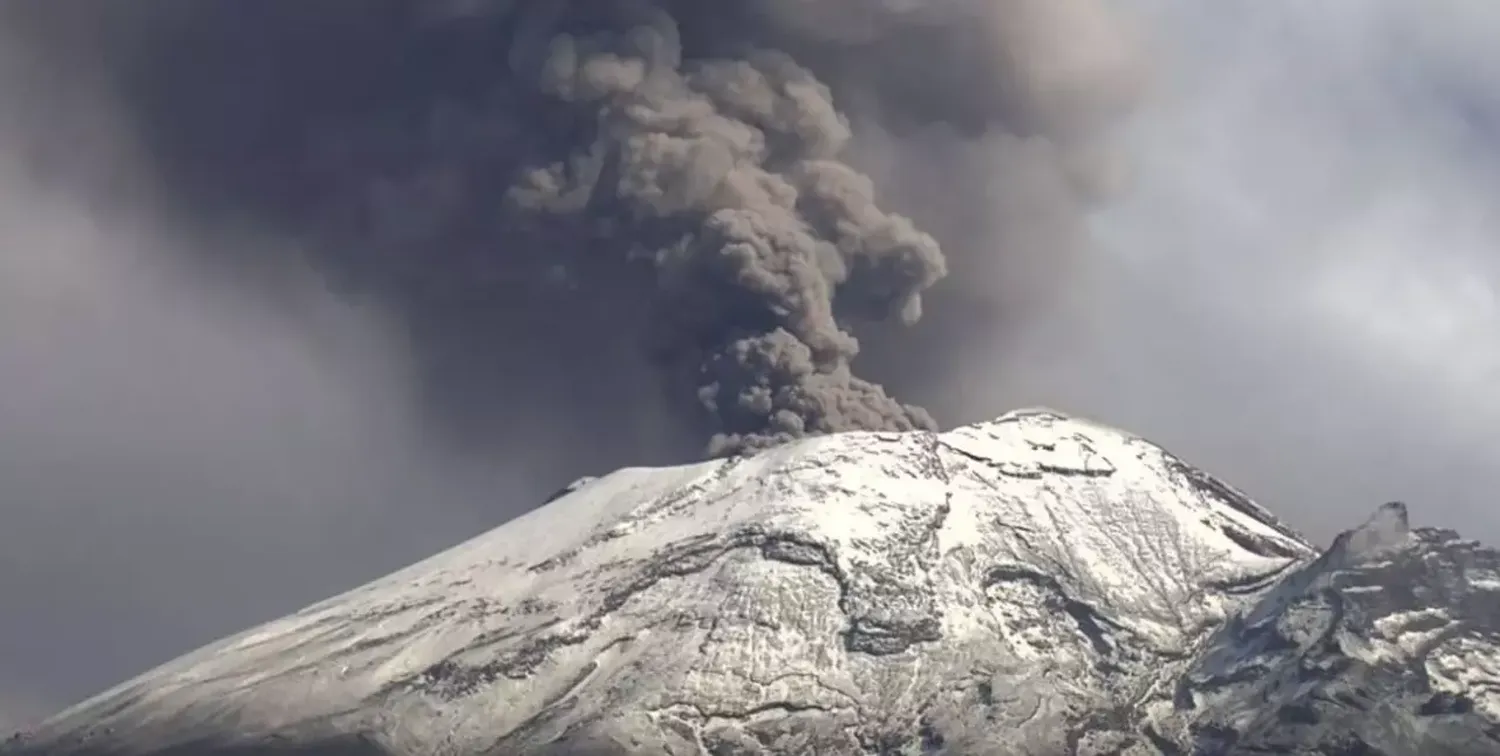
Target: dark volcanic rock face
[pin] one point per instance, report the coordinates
(1389, 643)
(1032, 586)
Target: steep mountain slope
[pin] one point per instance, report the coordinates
(1388, 643)
(1033, 585)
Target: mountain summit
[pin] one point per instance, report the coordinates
(1030, 586)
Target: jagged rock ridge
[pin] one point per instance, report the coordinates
(1034, 585)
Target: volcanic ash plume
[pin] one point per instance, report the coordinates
(680, 161)
(760, 239)
(764, 244)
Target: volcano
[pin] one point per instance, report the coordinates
(1030, 586)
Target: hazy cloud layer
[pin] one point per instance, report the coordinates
(1300, 290)
(1293, 283)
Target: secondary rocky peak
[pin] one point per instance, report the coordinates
(1387, 530)
(1386, 644)
(1037, 584)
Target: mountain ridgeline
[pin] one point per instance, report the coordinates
(1031, 586)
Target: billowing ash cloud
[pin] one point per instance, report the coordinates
(679, 171)
(722, 175)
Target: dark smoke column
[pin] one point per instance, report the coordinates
(760, 240)
(528, 186)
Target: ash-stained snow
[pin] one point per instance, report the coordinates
(1388, 643)
(1033, 585)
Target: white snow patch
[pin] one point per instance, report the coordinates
(1099, 518)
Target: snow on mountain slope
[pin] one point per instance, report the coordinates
(1388, 643)
(1032, 585)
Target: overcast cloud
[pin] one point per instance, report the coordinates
(1301, 287)
(1296, 289)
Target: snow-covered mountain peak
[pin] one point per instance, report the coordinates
(1037, 575)
(1388, 643)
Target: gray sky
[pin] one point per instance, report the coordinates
(1297, 290)
(1304, 297)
